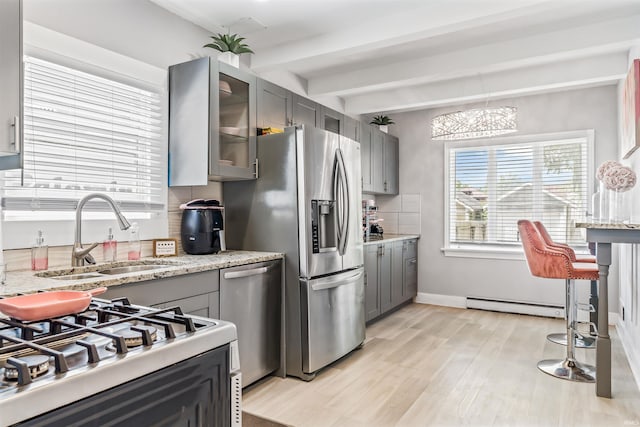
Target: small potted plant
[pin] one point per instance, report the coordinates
(231, 46)
(382, 122)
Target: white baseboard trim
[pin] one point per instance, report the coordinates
(632, 357)
(444, 300)
(503, 306)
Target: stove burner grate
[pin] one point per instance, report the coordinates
(37, 365)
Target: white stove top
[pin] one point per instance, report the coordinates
(56, 388)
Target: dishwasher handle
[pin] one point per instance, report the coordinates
(246, 273)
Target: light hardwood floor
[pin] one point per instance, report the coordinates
(426, 365)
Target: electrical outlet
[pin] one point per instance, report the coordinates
(165, 247)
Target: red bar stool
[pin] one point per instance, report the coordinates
(581, 340)
(545, 261)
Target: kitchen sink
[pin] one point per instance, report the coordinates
(132, 268)
(97, 271)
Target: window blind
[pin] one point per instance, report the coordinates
(85, 134)
(491, 187)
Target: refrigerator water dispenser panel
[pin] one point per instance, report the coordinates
(323, 228)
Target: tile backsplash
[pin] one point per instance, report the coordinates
(60, 256)
(401, 213)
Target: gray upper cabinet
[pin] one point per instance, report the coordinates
(11, 84)
(275, 105)
(379, 161)
(212, 123)
(305, 111)
(365, 155)
(351, 128)
(331, 120)
(391, 172)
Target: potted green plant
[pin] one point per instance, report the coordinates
(382, 122)
(231, 46)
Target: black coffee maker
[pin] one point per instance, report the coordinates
(202, 228)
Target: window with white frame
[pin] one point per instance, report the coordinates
(491, 184)
(84, 133)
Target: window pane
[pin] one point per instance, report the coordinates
(84, 134)
(493, 186)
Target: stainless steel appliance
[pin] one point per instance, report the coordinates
(202, 227)
(306, 204)
(251, 298)
(119, 364)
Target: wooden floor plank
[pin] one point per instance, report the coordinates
(436, 366)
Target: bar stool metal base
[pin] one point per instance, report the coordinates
(568, 370)
(581, 340)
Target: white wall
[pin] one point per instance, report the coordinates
(422, 172)
(629, 264)
(135, 28)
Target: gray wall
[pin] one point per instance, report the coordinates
(422, 172)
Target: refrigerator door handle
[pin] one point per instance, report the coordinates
(340, 194)
(335, 282)
(336, 198)
(346, 202)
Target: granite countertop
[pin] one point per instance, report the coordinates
(27, 281)
(391, 238)
(608, 226)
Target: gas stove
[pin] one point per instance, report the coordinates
(48, 364)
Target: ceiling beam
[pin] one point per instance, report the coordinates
(447, 18)
(583, 72)
(615, 35)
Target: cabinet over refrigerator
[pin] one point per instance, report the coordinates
(306, 204)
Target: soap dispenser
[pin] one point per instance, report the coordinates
(134, 242)
(110, 248)
(39, 254)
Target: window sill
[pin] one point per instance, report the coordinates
(515, 254)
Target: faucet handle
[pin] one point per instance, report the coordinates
(89, 259)
(79, 252)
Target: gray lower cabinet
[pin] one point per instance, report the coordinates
(390, 276)
(383, 266)
(196, 293)
(410, 268)
(11, 84)
(371, 299)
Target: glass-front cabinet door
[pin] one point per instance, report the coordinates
(233, 140)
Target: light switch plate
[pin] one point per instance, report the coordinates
(165, 247)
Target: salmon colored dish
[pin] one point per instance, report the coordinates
(46, 305)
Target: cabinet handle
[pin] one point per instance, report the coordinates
(385, 186)
(413, 261)
(16, 133)
(256, 173)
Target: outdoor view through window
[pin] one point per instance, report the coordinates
(492, 186)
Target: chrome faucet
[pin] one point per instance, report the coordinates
(79, 255)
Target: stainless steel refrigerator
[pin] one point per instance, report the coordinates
(306, 203)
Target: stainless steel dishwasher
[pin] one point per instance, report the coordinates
(251, 297)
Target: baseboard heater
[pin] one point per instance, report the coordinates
(519, 307)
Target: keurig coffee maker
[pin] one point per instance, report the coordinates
(202, 228)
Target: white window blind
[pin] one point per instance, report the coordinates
(85, 134)
(492, 186)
